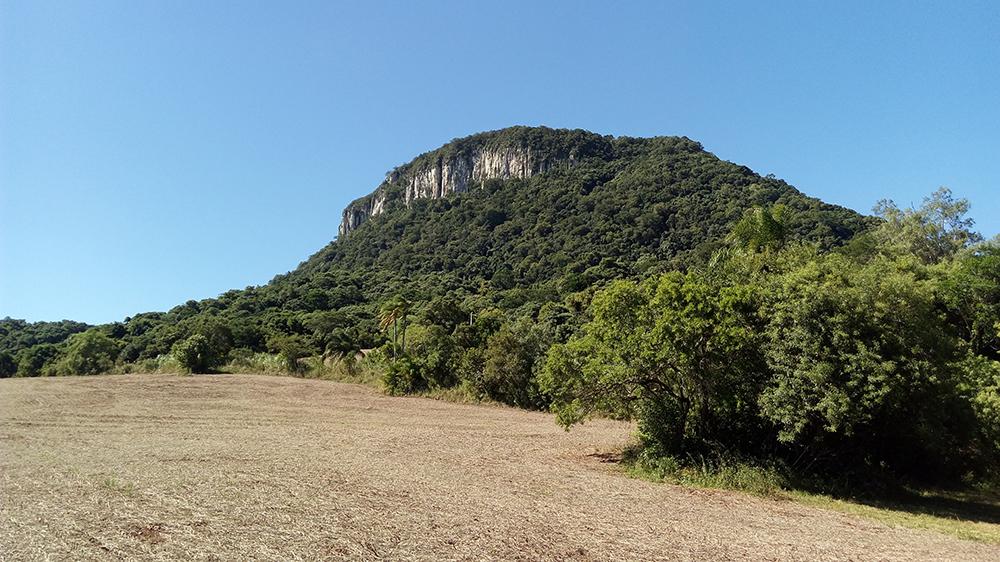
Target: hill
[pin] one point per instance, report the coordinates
(496, 226)
(733, 316)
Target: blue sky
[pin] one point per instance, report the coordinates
(153, 152)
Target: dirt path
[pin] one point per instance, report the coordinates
(232, 467)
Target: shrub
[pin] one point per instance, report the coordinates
(194, 354)
(88, 353)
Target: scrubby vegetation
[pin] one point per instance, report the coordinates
(871, 363)
(735, 318)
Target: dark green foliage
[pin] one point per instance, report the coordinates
(194, 354)
(677, 351)
(430, 362)
(845, 364)
(38, 360)
(863, 367)
(507, 373)
(658, 197)
(88, 353)
(16, 335)
(8, 364)
(972, 293)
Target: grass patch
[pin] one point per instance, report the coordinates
(970, 514)
(247, 362)
(339, 369)
(756, 479)
(463, 394)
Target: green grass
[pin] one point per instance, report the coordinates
(970, 514)
(754, 479)
(462, 394)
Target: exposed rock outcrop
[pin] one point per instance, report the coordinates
(446, 176)
(363, 209)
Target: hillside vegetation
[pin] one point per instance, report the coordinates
(634, 278)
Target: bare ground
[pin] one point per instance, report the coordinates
(236, 467)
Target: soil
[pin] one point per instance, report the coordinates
(243, 467)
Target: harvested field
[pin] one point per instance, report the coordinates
(236, 467)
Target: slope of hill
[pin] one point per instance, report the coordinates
(498, 226)
(546, 202)
(593, 275)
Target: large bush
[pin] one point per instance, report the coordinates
(88, 353)
(195, 354)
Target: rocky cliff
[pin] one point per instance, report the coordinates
(444, 175)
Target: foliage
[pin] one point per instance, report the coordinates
(936, 232)
(507, 370)
(194, 354)
(863, 368)
(392, 314)
(38, 360)
(760, 228)
(875, 362)
(676, 351)
(87, 353)
(971, 291)
(16, 335)
(8, 364)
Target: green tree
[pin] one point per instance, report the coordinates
(194, 354)
(935, 232)
(760, 228)
(676, 351)
(507, 373)
(392, 313)
(863, 368)
(971, 290)
(88, 353)
(8, 364)
(37, 360)
(430, 364)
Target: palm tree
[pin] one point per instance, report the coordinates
(391, 313)
(760, 228)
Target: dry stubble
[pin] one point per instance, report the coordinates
(237, 467)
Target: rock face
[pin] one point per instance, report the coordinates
(447, 176)
(363, 209)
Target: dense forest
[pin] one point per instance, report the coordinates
(636, 278)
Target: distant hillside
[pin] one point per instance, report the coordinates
(512, 221)
(537, 204)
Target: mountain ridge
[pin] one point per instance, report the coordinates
(502, 154)
(535, 220)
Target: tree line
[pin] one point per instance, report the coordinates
(877, 360)
(727, 312)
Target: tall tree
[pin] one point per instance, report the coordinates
(760, 228)
(393, 313)
(676, 351)
(935, 232)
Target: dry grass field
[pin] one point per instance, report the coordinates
(242, 467)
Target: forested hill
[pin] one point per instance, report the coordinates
(634, 278)
(530, 205)
(501, 222)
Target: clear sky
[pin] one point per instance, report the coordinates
(153, 152)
